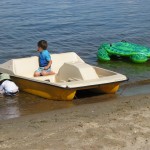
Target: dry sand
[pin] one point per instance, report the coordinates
(122, 123)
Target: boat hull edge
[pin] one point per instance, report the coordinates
(44, 90)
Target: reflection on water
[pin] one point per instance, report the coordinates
(9, 108)
(135, 88)
(135, 72)
(25, 104)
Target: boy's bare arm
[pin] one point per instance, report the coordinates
(49, 65)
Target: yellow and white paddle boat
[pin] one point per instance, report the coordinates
(72, 74)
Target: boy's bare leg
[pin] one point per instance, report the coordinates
(45, 73)
(37, 74)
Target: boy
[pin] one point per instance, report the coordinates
(45, 61)
(7, 87)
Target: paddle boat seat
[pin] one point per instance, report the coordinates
(26, 66)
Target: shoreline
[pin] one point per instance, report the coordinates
(122, 123)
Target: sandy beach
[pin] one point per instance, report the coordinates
(123, 123)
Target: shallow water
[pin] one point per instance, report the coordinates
(79, 26)
(26, 104)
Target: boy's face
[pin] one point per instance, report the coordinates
(39, 49)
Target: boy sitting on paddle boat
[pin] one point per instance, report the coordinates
(45, 61)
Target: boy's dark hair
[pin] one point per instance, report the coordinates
(43, 44)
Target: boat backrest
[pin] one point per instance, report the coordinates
(25, 66)
(59, 59)
(76, 71)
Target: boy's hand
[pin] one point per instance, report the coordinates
(48, 66)
(45, 68)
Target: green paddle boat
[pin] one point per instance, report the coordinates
(137, 53)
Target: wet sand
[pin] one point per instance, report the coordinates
(122, 123)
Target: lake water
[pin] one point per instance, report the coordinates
(71, 25)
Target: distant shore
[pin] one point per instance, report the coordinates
(123, 123)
